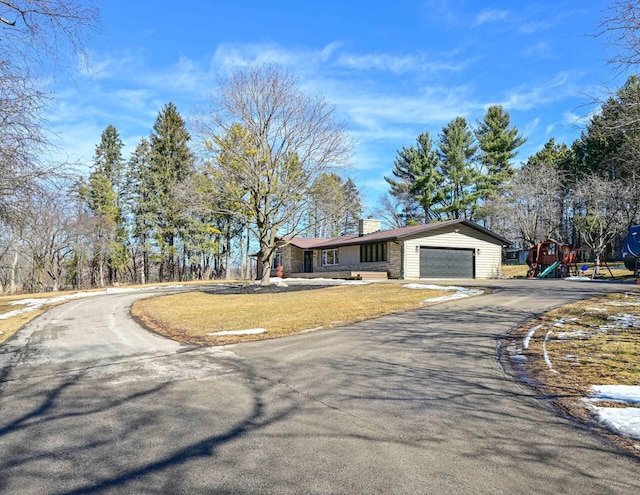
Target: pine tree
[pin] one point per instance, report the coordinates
(171, 162)
(610, 144)
(103, 199)
(417, 182)
(352, 211)
(457, 151)
(140, 206)
(498, 142)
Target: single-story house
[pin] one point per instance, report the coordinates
(450, 249)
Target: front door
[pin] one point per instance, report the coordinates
(308, 261)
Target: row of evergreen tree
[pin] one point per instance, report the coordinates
(458, 175)
(160, 215)
(585, 194)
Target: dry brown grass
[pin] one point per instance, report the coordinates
(191, 317)
(618, 271)
(587, 344)
(10, 326)
(514, 270)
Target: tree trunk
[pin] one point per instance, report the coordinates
(227, 257)
(12, 280)
(247, 274)
(101, 268)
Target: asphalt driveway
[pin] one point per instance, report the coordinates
(410, 403)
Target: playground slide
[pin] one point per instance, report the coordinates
(549, 269)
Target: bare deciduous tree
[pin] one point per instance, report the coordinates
(271, 141)
(45, 31)
(621, 29)
(531, 204)
(34, 36)
(606, 208)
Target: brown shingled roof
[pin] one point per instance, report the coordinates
(401, 232)
(385, 235)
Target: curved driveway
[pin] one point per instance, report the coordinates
(410, 403)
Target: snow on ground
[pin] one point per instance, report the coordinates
(625, 321)
(458, 292)
(249, 331)
(544, 352)
(622, 303)
(530, 334)
(32, 304)
(629, 394)
(622, 420)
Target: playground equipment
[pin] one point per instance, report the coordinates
(552, 259)
(631, 250)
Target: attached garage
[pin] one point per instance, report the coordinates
(455, 249)
(451, 249)
(447, 262)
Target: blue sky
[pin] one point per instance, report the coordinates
(391, 69)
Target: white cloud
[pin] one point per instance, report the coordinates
(530, 127)
(529, 97)
(573, 119)
(490, 16)
(539, 50)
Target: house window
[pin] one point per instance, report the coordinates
(373, 252)
(330, 257)
(277, 260)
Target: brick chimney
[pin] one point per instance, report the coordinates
(368, 226)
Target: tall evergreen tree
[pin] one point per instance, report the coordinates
(498, 142)
(457, 151)
(104, 189)
(417, 181)
(140, 207)
(171, 162)
(610, 144)
(352, 211)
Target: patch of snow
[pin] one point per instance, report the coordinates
(623, 393)
(356, 282)
(118, 290)
(249, 331)
(622, 303)
(596, 310)
(622, 420)
(579, 279)
(571, 335)
(438, 287)
(562, 321)
(530, 333)
(459, 292)
(545, 354)
(625, 321)
(312, 329)
(33, 303)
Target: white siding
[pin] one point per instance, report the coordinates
(488, 249)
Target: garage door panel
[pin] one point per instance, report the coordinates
(446, 263)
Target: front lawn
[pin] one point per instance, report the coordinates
(198, 317)
(586, 356)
